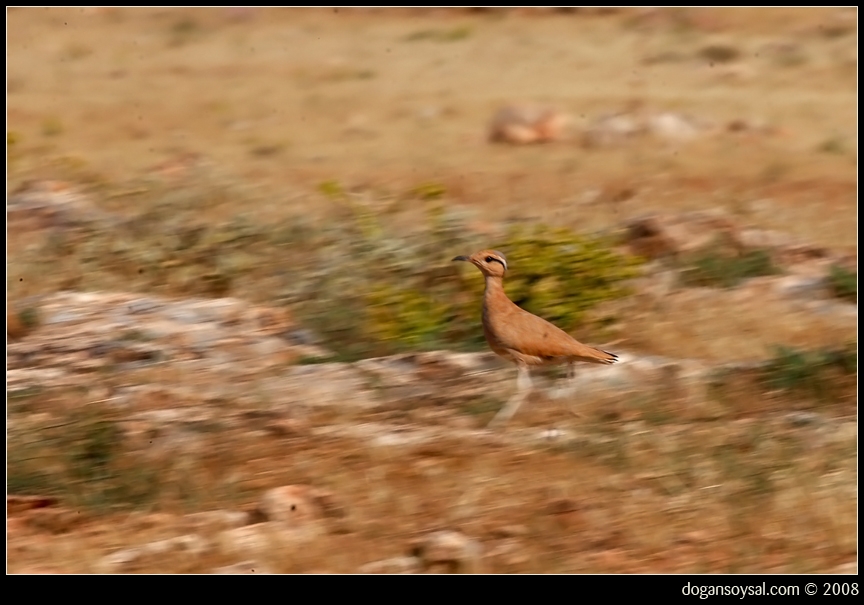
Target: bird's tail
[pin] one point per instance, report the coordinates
(583, 352)
(604, 357)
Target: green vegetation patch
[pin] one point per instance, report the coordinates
(560, 275)
(717, 267)
(361, 280)
(843, 283)
(820, 375)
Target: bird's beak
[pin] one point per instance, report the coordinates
(459, 258)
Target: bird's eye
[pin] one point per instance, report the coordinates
(489, 259)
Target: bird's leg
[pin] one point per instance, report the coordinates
(571, 376)
(523, 388)
(570, 388)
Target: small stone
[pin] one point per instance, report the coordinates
(612, 130)
(800, 287)
(524, 124)
(143, 305)
(217, 519)
(551, 435)
(800, 419)
(510, 552)
(121, 560)
(294, 505)
(265, 539)
(183, 316)
(63, 317)
(449, 550)
(189, 543)
(246, 540)
(396, 565)
(129, 559)
(672, 127)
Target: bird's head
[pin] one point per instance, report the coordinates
(490, 262)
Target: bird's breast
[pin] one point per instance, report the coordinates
(494, 340)
(493, 336)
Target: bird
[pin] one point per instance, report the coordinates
(522, 337)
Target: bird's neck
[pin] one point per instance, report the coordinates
(494, 287)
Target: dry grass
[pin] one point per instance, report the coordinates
(723, 326)
(251, 93)
(389, 107)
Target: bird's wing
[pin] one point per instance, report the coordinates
(528, 334)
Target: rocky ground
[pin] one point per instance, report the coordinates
(226, 390)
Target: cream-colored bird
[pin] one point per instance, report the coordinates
(521, 337)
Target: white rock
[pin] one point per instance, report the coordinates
(396, 565)
(451, 549)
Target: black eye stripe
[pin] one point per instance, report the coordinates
(490, 259)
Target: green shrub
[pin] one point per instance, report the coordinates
(29, 317)
(428, 191)
(406, 315)
(332, 189)
(719, 53)
(843, 283)
(814, 374)
(81, 457)
(443, 35)
(52, 127)
(559, 275)
(389, 292)
(719, 268)
(835, 145)
(377, 292)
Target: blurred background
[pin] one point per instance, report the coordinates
(236, 342)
